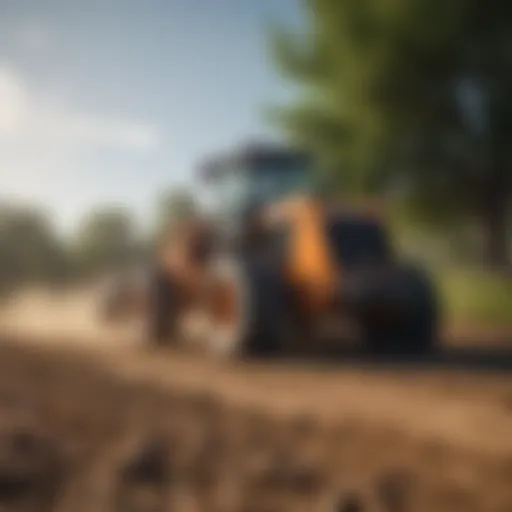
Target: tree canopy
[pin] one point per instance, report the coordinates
(409, 94)
(30, 250)
(173, 205)
(104, 240)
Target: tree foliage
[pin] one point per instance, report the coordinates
(172, 206)
(30, 250)
(105, 240)
(409, 93)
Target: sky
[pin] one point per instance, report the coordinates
(112, 101)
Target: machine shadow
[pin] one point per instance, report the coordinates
(476, 360)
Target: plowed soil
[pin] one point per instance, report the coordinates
(91, 421)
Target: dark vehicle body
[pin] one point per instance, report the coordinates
(278, 266)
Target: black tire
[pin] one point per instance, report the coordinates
(265, 335)
(162, 311)
(262, 296)
(416, 332)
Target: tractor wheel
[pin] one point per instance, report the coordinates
(246, 311)
(415, 332)
(162, 310)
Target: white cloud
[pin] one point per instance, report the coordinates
(46, 147)
(27, 118)
(13, 103)
(85, 130)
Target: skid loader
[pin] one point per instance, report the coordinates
(277, 267)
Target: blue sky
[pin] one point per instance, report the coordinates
(112, 100)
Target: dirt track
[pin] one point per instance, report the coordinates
(442, 437)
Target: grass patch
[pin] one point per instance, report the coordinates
(476, 297)
(471, 295)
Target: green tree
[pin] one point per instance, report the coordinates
(105, 240)
(172, 206)
(30, 250)
(410, 94)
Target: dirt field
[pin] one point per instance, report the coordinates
(90, 421)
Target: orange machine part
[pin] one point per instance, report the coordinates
(311, 266)
(224, 304)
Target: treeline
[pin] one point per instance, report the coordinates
(106, 239)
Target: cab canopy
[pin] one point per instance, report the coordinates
(257, 174)
(254, 159)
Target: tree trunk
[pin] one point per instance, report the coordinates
(496, 239)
